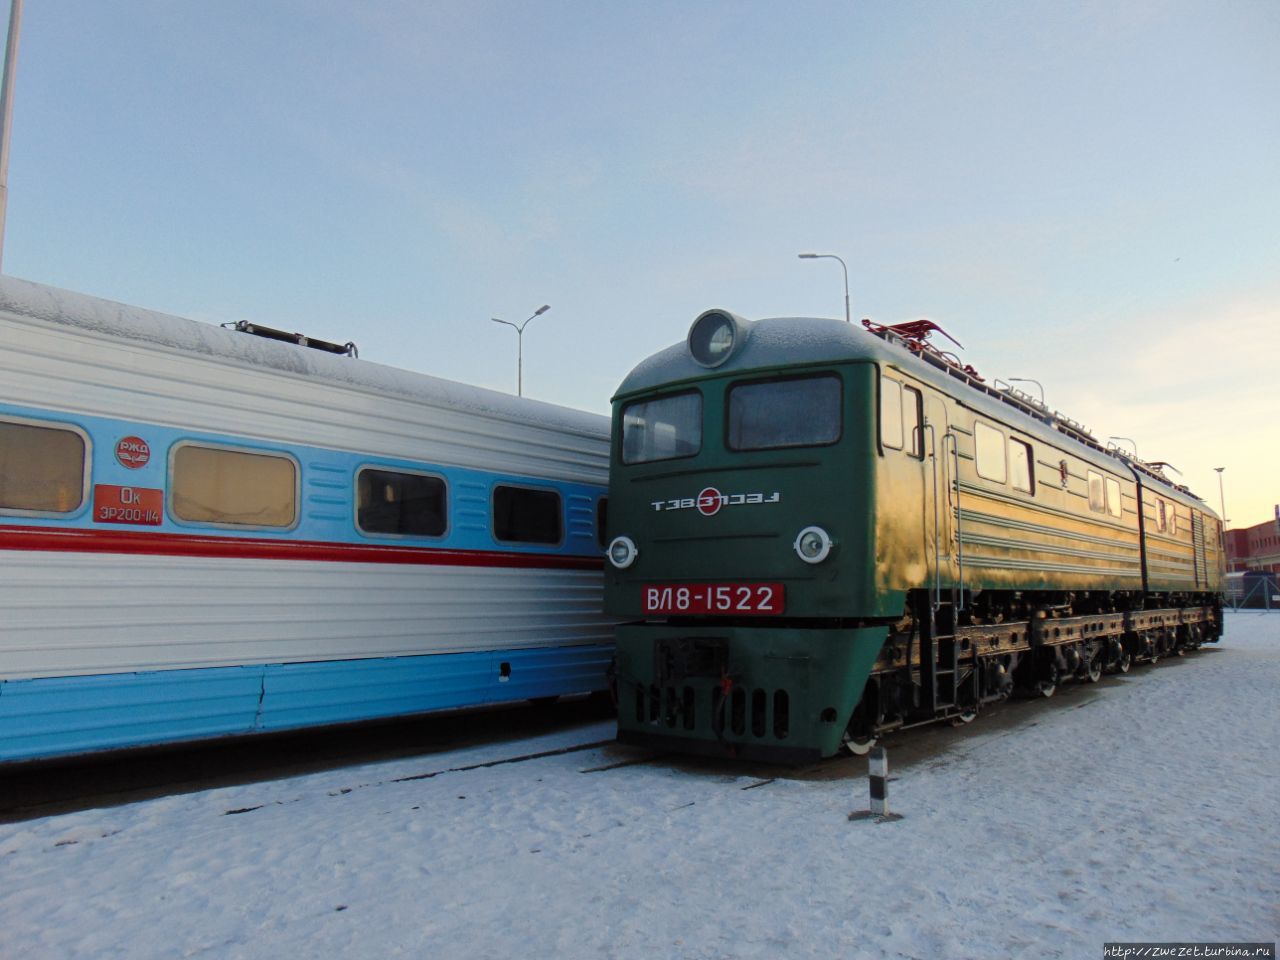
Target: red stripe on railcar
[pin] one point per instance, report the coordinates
(255, 548)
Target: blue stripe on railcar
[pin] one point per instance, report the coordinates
(326, 510)
(67, 715)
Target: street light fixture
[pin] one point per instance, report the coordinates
(1029, 380)
(519, 329)
(832, 256)
(1129, 441)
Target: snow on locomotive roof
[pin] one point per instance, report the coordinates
(25, 299)
(795, 341)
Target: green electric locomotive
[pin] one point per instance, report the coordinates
(820, 533)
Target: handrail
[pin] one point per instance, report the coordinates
(937, 530)
(955, 481)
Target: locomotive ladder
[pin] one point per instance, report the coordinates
(940, 658)
(940, 648)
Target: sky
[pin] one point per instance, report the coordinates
(1087, 194)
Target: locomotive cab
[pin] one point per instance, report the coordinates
(742, 551)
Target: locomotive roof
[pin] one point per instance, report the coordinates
(93, 315)
(801, 341)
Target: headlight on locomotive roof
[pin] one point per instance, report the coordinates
(713, 337)
(813, 544)
(623, 552)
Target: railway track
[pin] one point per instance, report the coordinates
(485, 740)
(32, 790)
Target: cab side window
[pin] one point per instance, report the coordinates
(1115, 506)
(913, 408)
(988, 443)
(1097, 493)
(890, 413)
(1021, 466)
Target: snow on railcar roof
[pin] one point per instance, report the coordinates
(110, 318)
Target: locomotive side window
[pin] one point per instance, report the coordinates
(914, 410)
(1097, 496)
(233, 487)
(1173, 518)
(988, 445)
(524, 515)
(602, 517)
(890, 413)
(42, 468)
(800, 412)
(395, 502)
(662, 429)
(1162, 521)
(1115, 506)
(1021, 466)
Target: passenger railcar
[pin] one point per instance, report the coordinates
(204, 532)
(821, 533)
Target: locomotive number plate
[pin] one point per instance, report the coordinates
(724, 599)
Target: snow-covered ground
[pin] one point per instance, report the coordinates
(1147, 808)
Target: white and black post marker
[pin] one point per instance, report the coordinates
(878, 779)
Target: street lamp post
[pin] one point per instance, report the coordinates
(1222, 497)
(6, 108)
(519, 329)
(832, 256)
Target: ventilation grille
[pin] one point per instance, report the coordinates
(743, 711)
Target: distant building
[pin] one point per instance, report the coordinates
(1255, 548)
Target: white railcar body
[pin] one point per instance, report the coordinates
(123, 623)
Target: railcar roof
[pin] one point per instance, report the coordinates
(77, 311)
(796, 341)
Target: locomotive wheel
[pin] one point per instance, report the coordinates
(964, 717)
(1125, 662)
(1094, 669)
(1047, 685)
(860, 745)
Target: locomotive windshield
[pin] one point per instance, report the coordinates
(662, 429)
(799, 412)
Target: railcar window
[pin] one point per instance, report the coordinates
(41, 468)
(890, 413)
(1097, 494)
(522, 515)
(394, 502)
(662, 429)
(800, 412)
(1021, 466)
(233, 487)
(988, 445)
(1115, 506)
(915, 421)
